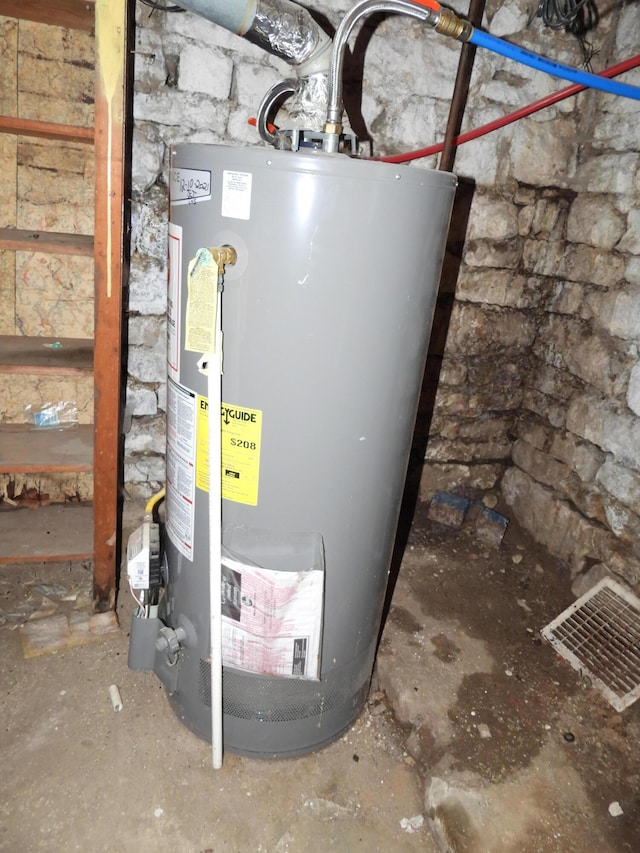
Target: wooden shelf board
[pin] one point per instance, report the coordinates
(24, 449)
(25, 354)
(52, 533)
(73, 14)
(46, 241)
(45, 130)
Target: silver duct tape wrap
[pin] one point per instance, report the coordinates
(284, 29)
(308, 105)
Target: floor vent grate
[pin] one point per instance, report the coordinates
(599, 635)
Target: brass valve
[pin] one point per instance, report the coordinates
(449, 24)
(224, 255)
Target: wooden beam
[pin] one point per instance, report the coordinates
(73, 14)
(114, 28)
(45, 129)
(53, 243)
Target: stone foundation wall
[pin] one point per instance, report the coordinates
(533, 381)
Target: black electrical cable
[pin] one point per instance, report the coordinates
(160, 7)
(560, 14)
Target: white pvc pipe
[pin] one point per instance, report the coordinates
(214, 396)
(116, 699)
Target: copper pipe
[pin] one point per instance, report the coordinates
(460, 90)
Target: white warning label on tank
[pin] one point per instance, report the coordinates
(189, 186)
(173, 299)
(236, 195)
(181, 432)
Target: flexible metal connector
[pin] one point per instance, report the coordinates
(333, 125)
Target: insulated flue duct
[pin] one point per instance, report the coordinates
(280, 27)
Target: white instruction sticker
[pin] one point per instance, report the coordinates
(272, 620)
(236, 195)
(181, 435)
(173, 299)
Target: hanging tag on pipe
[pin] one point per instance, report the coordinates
(202, 303)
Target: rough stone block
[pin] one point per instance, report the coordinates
(205, 70)
(494, 253)
(622, 560)
(554, 523)
(583, 458)
(591, 265)
(488, 525)
(147, 286)
(493, 218)
(142, 469)
(448, 509)
(149, 218)
(586, 580)
(445, 477)
(619, 312)
(148, 365)
(536, 434)
(569, 344)
(624, 523)
(542, 153)
(252, 81)
(141, 400)
(439, 449)
(633, 390)
(549, 218)
(146, 160)
(573, 262)
(147, 435)
(539, 404)
(184, 110)
(454, 372)
(632, 271)
(607, 173)
(567, 297)
(496, 287)
(621, 483)
(539, 465)
(621, 436)
(586, 418)
(147, 330)
(595, 220)
(475, 330)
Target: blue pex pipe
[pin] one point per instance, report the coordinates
(525, 57)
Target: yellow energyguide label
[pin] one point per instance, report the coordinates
(241, 438)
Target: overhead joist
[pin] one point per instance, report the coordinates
(45, 129)
(72, 14)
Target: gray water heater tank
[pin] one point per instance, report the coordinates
(326, 318)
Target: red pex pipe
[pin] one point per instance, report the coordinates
(428, 4)
(534, 107)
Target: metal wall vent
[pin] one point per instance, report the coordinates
(599, 635)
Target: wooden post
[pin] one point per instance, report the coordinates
(113, 24)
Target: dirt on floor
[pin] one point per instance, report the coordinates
(476, 736)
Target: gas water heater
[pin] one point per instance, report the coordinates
(326, 315)
(311, 277)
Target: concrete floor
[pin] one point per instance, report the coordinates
(460, 657)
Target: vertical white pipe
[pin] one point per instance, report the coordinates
(214, 396)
